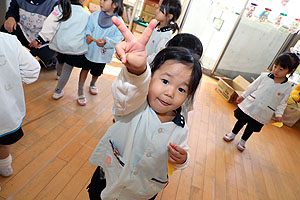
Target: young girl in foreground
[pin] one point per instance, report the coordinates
(149, 130)
(268, 94)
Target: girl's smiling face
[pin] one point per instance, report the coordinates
(169, 87)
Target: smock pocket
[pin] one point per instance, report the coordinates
(112, 161)
(157, 184)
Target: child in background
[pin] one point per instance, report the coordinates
(25, 18)
(17, 65)
(189, 41)
(102, 36)
(193, 44)
(166, 14)
(268, 94)
(65, 28)
(149, 130)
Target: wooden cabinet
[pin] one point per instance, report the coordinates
(149, 9)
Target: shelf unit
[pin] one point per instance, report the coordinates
(129, 13)
(149, 9)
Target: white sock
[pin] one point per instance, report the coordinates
(6, 162)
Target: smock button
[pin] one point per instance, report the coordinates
(160, 130)
(135, 173)
(148, 154)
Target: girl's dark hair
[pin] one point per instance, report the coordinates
(184, 56)
(288, 61)
(119, 9)
(65, 5)
(188, 41)
(171, 7)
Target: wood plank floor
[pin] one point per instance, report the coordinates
(51, 160)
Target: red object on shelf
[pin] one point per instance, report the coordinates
(152, 3)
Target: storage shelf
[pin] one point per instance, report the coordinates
(128, 3)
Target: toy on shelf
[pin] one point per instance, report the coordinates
(251, 9)
(294, 26)
(278, 19)
(264, 15)
(284, 2)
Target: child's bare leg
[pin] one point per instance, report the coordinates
(82, 78)
(93, 81)
(4, 151)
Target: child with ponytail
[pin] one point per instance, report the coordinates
(166, 14)
(65, 29)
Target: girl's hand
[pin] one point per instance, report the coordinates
(34, 44)
(177, 154)
(10, 24)
(278, 119)
(239, 99)
(100, 42)
(132, 52)
(89, 39)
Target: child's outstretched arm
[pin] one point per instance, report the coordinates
(50, 27)
(132, 51)
(130, 88)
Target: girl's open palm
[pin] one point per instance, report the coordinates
(132, 51)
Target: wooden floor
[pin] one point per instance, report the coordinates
(51, 160)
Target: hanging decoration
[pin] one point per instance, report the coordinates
(264, 15)
(294, 26)
(284, 2)
(278, 19)
(251, 9)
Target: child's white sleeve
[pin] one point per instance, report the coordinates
(281, 107)
(130, 91)
(29, 66)
(50, 25)
(252, 87)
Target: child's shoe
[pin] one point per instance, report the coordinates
(6, 172)
(241, 145)
(93, 90)
(5, 166)
(229, 136)
(81, 100)
(57, 77)
(57, 96)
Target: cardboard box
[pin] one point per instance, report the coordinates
(230, 89)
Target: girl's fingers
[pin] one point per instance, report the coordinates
(147, 32)
(173, 153)
(123, 29)
(120, 52)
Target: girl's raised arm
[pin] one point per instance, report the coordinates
(132, 51)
